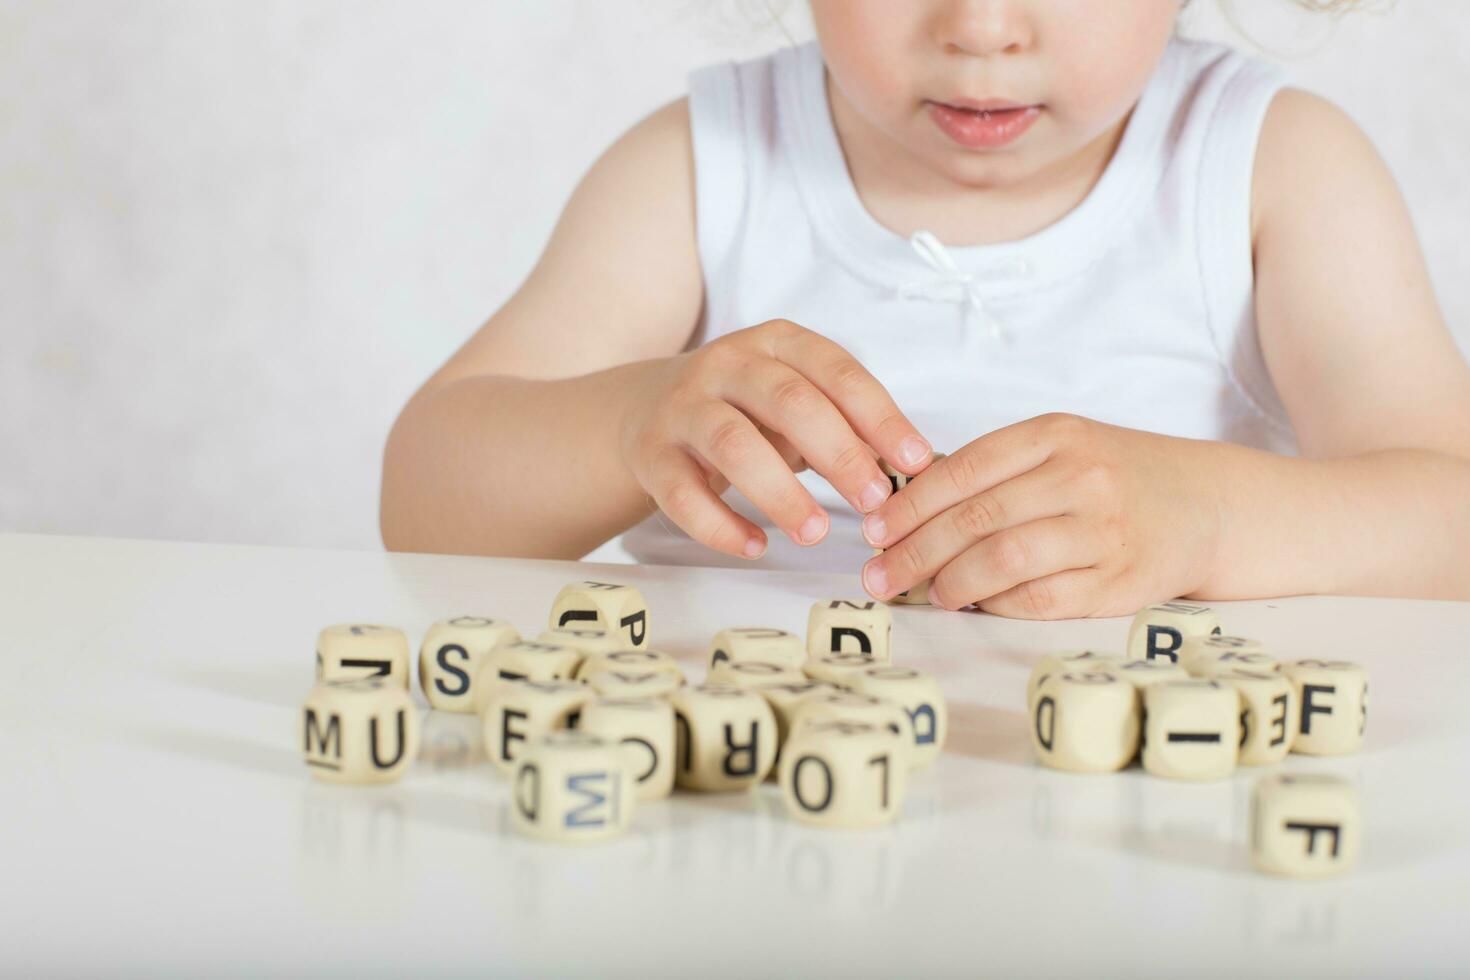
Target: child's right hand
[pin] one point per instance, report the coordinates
(737, 410)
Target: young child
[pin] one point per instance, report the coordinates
(1167, 317)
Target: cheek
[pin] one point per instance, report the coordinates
(864, 45)
(1098, 74)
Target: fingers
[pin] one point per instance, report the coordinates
(681, 489)
(1017, 555)
(783, 399)
(731, 443)
(859, 396)
(1072, 594)
(1035, 494)
(990, 460)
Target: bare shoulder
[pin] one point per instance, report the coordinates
(619, 279)
(1310, 152)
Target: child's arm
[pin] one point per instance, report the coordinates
(1061, 516)
(1377, 391)
(572, 412)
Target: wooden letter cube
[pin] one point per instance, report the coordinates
(757, 643)
(849, 626)
(524, 660)
(631, 660)
(1198, 651)
(1333, 695)
(587, 642)
(919, 695)
(1191, 729)
(521, 710)
(353, 651)
(363, 731)
(645, 727)
(852, 706)
(726, 737)
(1085, 721)
(1068, 662)
(617, 609)
(451, 655)
(632, 682)
(1268, 714)
(843, 774)
(1160, 631)
(571, 787)
(840, 669)
(1304, 825)
(753, 673)
(786, 699)
(917, 595)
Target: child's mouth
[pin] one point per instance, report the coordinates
(983, 125)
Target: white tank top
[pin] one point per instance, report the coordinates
(1136, 308)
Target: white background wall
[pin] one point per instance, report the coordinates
(236, 234)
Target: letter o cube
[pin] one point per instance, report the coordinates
(571, 787)
(451, 656)
(725, 738)
(1085, 721)
(616, 609)
(355, 651)
(838, 773)
(1304, 825)
(362, 731)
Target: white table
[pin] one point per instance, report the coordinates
(157, 817)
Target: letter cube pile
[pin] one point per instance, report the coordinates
(587, 721)
(1191, 703)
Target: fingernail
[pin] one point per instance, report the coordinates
(874, 494)
(754, 548)
(912, 450)
(875, 580)
(812, 528)
(874, 530)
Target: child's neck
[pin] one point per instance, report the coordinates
(904, 193)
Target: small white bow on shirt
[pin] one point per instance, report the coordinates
(953, 284)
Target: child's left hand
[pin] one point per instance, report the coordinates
(1051, 518)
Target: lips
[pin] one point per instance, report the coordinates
(983, 124)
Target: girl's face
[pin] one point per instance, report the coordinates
(990, 92)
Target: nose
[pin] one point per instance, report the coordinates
(984, 27)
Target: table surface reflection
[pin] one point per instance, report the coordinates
(157, 816)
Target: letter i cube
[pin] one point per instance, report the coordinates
(1161, 631)
(849, 626)
(362, 731)
(617, 609)
(1191, 729)
(354, 651)
(1304, 825)
(572, 787)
